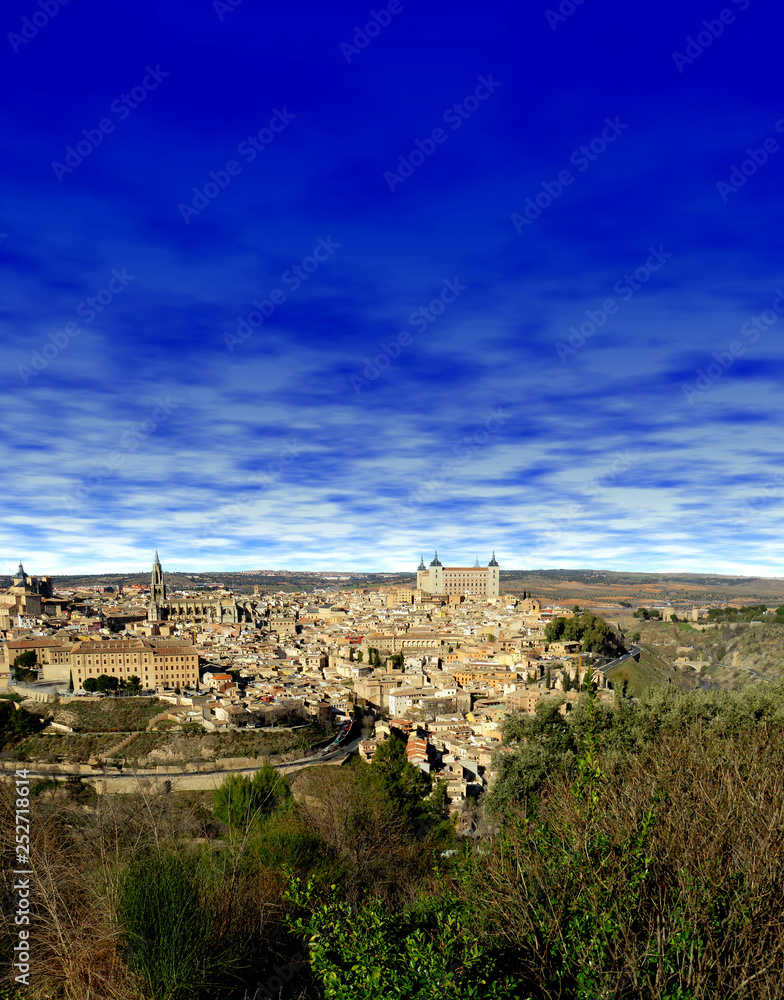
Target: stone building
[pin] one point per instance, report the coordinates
(199, 609)
(158, 663)
(471, 581)
(26, 595)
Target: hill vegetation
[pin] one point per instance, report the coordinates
(629, 851)
(727, 654)
(593, 633)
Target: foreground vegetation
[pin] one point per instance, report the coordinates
(628, 851)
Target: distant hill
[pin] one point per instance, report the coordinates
(564, 585)
(588, 586)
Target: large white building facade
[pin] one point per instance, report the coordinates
(469, 581)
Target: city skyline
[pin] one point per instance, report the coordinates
(338, 289)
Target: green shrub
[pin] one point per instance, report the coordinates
(167, 908)
(653, 874)
(369, 953)
(240, 801)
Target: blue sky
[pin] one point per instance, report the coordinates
(332, 285)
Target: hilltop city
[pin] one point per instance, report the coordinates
(442, 662)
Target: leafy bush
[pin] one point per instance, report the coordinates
(549, 743)
(369, 953)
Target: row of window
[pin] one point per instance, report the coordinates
(165, 670)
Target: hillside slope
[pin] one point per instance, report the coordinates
(726, 655)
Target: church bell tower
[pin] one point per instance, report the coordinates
(157, 583)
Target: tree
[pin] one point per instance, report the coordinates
(106, 683)
(636, 636)
(240, 801)
(90, 684)
(22, 669)
(16, 723)
(593, 632)
(359, 656)
(554, 630)
(70, 681)
(547, 679)
(405, 784)
(542, 745)
(26, 660)
(382, 850)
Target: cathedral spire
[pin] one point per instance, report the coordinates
(157, 582)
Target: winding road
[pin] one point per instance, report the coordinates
(124, 782)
